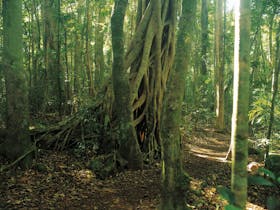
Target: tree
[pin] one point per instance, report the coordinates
(89, 51)
(275, 78)
(219, 64)
(78, 51)
(174, 180)
(204, 36)
(127, 140)
(99, 43)
(37, 75)
(17, 141)
(239, 133)
(52, 53)
(148, 59)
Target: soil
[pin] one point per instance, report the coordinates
(60, 180)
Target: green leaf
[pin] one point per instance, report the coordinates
(226, 194)
(106, 120)
(258, 180)
(278, 179)
(267, 172)
(232, 207)
(273, 203)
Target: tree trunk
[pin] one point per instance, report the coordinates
(127, 140)
(148, 59)
(17, 140)
(274, 90)
(239, 134)
(219, 65)
(77, 55)
(52, 50)
(204, 36)
(99, 43)
(89, 52)
(175, 183)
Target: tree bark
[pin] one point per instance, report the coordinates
(127, 140)
(99, 43)
(204, 36)
(148, 59)
(89, 50)
(17, 140)
(52, 50)
(275, 78)
(219, 65)
(239, 134)
(175, 182)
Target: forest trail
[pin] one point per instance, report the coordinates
(66, 183)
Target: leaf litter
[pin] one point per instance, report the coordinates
(60, 180)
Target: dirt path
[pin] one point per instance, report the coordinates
(65, 183)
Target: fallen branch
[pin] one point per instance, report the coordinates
(4, 168)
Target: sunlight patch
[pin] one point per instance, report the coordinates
(84, 175)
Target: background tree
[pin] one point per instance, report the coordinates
(274, 90)
(204, 36)
(52, 48)
(100, 28)
(219, 64)
(89, 50)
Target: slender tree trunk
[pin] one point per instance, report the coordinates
(204, 36)
(17, 140)
(239, 136)
(271, 54)
(99, 44)
(68, 92)
(219, 65)
(39, 79)
(89, 53)
(275, 78)
(77, 56)
(175, 182)
(128, 146)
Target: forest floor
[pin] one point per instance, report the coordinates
(62, 181)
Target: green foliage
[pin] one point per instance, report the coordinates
(103, 165)
(184, 182)
(273, 203)
(259, 114)
(264, 177)
(232, 207)
(226, 194)
(258, 180)
(267, 173)
(272, 162)
(270, 180)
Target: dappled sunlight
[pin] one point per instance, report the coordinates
(251, 206)
(218, 159)
(211, 153)
(84, 175)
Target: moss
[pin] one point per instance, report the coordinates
(103, 166)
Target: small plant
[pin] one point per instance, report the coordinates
(227, 195)
(263, 177)
(266, 177)
(259, 114)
